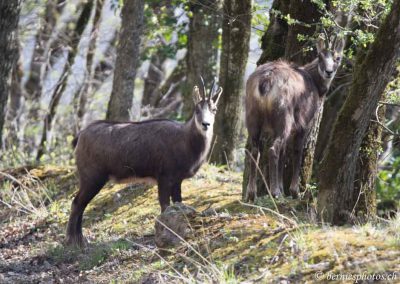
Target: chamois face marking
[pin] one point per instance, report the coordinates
(205, 110)
(329, 59)
(205, 116)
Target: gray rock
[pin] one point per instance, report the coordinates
(175, 218)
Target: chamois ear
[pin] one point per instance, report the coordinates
(320, 44)
(217, 95)
(196, 95)
(338, 46)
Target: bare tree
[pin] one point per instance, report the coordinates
(74, 37)
(9, 16)
(81, 95)
(131, 32)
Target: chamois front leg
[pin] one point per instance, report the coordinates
(165, 190)
(177, 192)
(251, 191)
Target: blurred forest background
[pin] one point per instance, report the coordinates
(65, 63)
(72, 62)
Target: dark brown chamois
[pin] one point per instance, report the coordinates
(159, 150)
(282, 99)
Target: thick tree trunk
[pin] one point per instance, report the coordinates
(273, 45)
(202, 48)
(235, 48)
(120, 103)
(74, 37)
(9, 16)
(337, 172)
(306, 12)
(273, 41)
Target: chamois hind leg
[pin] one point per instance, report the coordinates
(281, 167)
(273, 156)
(88, 188)
(251, 190)
(298, 140)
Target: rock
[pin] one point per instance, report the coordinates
(176, 218)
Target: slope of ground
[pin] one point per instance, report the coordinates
(231, 242)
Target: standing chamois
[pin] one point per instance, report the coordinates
(160, 150)
(282, 99)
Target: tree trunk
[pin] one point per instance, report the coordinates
(273, 41)
(337, 172)
(74, 37)
(273, 45)
(9, 16)
(80, 97)
(120, 103)
(33, 85)
(235, 48)
(154, 78)
(306, 12)
(364, 198)
(14, 106)
(202, 48)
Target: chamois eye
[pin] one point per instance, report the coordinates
(338, 58)
(214, 110)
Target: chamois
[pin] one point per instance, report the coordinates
(159, 150)
(282, 99)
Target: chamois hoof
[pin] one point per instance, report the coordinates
(76, 241)
(251, 196)
(294, 193)
(276, 194)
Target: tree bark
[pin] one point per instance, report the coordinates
(308, 14)
(74, 36)
(120, 103)
(273, 41)
(235, 48)
(202, 48)
(9, 16)
(364, 197)
(153, 80)
(337, 172)
(14, 106)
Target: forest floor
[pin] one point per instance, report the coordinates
(231, 242)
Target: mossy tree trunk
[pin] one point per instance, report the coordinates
(121, 99)
(9, 16)
(235, 48)
(337, 171)
(364, 197)
(202, 48)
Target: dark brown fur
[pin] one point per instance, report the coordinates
(281, 100)
(161, 150)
